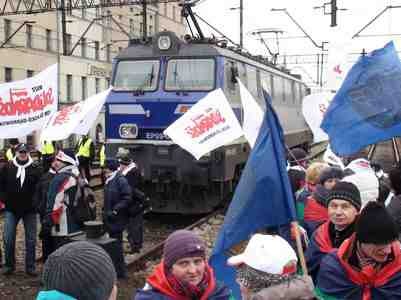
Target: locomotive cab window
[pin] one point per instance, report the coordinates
(136, 75)
(190, 75)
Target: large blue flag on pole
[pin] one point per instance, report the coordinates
(262, 199)
(367, 107)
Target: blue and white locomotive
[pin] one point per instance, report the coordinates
(154, 83)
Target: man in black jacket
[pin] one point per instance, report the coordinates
(18, 181)
(135, 226)
(40, 203)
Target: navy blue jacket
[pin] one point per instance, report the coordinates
(221, 292)
(117, 198)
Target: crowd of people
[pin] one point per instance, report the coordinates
(349, 219)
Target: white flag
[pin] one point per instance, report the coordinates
(314, 107)
(253, 115)
(77, 118)
(331, 158)
(337, 64)
(27, 105)
(207, 125)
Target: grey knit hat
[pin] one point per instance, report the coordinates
(181, 244)
(81, 270)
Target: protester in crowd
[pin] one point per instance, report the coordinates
(360, 173)
(59, 220)
(316, 204)
(10, 153)
(343, 205)
(367, 265)
(47, 151)
(297, 159)
(394, 207)
(40, 203)
(79, 271)
(135, 225)
(311, 180)
(183, 272)
(18, 180)
(85, 152)
(117, 198)
(102, 160)
(267, 270)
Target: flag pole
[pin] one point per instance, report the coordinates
(300, 250)
(395, 149)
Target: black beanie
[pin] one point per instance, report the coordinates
(346, 191)
(330, 172)
(81, 270)
(375, 225)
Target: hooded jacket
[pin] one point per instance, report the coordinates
(338, 278)
(158, 288)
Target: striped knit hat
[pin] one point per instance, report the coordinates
(181, 244)
(346, 191)
(81, 270)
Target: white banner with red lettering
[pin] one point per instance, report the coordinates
(314, 107)
(209, 124)
(26, 105)
(77, 118)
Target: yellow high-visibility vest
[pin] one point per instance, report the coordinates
(84, 150)
(9, 154)
(47, 148)
(102, 156)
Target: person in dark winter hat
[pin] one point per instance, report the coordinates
(394, 207)
(329, 176)
(18, 180)
(81, 271)
(183, 272)
(368, 264)
(117, 197)
(343, 206)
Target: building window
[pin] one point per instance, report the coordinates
(150, 29)
(120, 17)
(97, 85)
(174, 13)
(48, 40)
(7, 28)
(84, 87)
(107, 82)
(140, 28)
(131, 26)
(96, 50)
(108, 53)
(8, 74)
(165, 9)
(68, 42)
(28, 36)
(83, 13)
(29, 73)
(120, 49)
(83, 47)
(69, 88)
(131, 9)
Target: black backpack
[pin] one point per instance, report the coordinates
(84, 206)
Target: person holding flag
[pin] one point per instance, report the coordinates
(263, 195)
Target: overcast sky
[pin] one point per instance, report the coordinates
(258, 14)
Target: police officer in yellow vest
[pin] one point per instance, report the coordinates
(85, 152)
(47, 151)
(102, 160)
(10, 153)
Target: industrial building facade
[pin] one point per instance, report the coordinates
(37, 42)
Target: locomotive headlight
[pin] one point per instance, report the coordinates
(128, 131)
(164, 42)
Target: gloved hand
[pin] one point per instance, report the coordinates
(303, 234)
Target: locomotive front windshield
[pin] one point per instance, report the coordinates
(136, 75)
(190, 75)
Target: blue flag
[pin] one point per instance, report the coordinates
(367, 107)
(263, 197)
